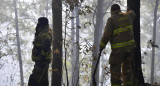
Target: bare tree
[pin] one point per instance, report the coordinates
(18, 42)
(154, 41)
(47, 8)
(74, 42)
(76, 72)
(75, 48)
(97, 37)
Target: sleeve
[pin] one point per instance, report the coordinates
(131, 14)
(46, 43)
(107, 33)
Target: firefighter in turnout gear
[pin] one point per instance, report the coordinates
(41, 54)
(119, 32)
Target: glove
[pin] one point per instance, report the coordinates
(100, 49)
(128, 9)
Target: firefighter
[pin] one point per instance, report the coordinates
(119, 32)
(41, 54)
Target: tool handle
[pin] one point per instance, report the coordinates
(94, 80)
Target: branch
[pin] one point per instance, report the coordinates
(65, 46)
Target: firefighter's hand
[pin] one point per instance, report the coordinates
(100, 49)
(124, 13)
(128, 9)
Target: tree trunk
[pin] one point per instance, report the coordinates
(57, 43)
(77, 47)
(75, 55)
(102, 63)
(153, 42)
(18, 43)
(135, 6)
(47, 8)
(97, 37)
(73, 49)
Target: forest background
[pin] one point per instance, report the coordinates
(28, 13)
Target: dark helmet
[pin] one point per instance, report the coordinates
(42, 21)
(115, 7)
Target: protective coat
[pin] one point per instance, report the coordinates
(42, 45)
(119, 31)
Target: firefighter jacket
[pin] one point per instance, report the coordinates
(119, 31)
(42, 45)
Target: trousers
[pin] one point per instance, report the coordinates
(39, 76)
(121, 68)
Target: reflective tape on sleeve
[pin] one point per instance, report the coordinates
(47, 35)
(44, 53)
(102, 44)
(37, 44)
(35, 58)
(116, 85)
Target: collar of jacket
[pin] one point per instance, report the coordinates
(116, 12)
(44, 28)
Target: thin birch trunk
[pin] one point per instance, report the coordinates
(77, 45)
(97, 37)
(154, 41)
(102, 71)
(47, 8)
(18, 43)
(73, 49)
(75, 59)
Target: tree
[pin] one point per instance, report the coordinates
(135, 6)
(57, 43)
(75, 58)
(97, 37)
(47, 8)
(18, 43)
(74, 7)
(73, 49)
(154, 41)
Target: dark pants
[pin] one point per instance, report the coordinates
(39, 76)
(121, 69)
